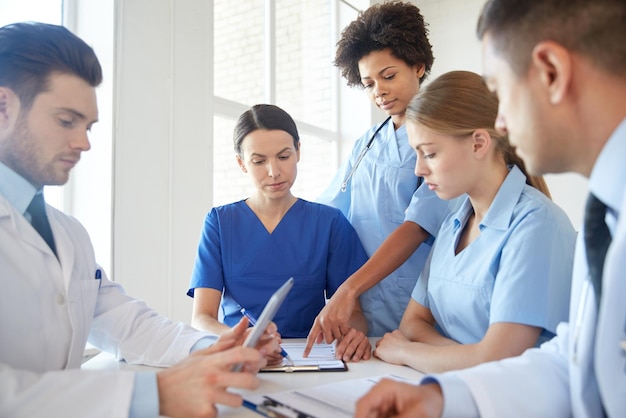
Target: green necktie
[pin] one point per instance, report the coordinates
(597, 241)
(39, 220)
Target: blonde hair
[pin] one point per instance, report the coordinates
(459, 102)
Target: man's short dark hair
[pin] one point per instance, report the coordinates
(31, 51)
(594, 28)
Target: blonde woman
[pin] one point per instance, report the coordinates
(498, 278)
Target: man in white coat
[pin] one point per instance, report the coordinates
(559, 69)
(54, 296)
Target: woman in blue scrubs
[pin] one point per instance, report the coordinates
(248, 249)
(498, 278)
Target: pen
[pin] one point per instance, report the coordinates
(262, 410)
(273, 403)
(252, 320)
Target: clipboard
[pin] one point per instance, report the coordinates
(288, 368)
(337, 399)
(321, 359)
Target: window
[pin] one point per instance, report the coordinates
(278, 52)
(47, 11)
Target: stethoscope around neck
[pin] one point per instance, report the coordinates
(344, 185)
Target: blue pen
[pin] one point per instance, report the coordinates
(252, 320)
(260, 409)
(99, 277)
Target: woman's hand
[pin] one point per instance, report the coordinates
(332, 323)
(354, 346)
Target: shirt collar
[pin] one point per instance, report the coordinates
(15, 188)
(501, 209)
(608, 179)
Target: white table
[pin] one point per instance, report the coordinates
(278, 382)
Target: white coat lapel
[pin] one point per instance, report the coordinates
(23, 229)
(65, 246)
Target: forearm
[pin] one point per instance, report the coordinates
(209, 323)
(422, 332)
(418, 325)
(497, 346)
(435, 358)
(391, 254)
(358, 321)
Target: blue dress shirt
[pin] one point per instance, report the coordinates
(17, 190)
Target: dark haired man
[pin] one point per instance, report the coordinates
(54, 296)
(559, 69)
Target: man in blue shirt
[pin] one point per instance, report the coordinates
(559, 69)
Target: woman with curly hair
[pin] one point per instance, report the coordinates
(386, 52)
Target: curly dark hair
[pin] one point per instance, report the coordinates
(397, 26)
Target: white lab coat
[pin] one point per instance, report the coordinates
(48, 311)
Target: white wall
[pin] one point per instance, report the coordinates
(162, 146)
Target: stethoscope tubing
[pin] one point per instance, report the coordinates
(344, 185)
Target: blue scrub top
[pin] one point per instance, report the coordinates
(380, 196)
(313, 243)
(518, 270)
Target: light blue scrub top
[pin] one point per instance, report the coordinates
(598, 368)
(380, 196)
(518, 270)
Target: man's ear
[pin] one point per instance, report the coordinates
(481, 143)
(9, 108)
(553, 64)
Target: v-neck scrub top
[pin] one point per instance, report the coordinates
(313, 243)
(380, 196)
(517, 270)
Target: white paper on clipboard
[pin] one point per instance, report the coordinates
(336, 399)
(321, 358)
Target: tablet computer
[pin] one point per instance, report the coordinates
(266, 317)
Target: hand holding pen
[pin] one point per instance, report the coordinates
(252, 320)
